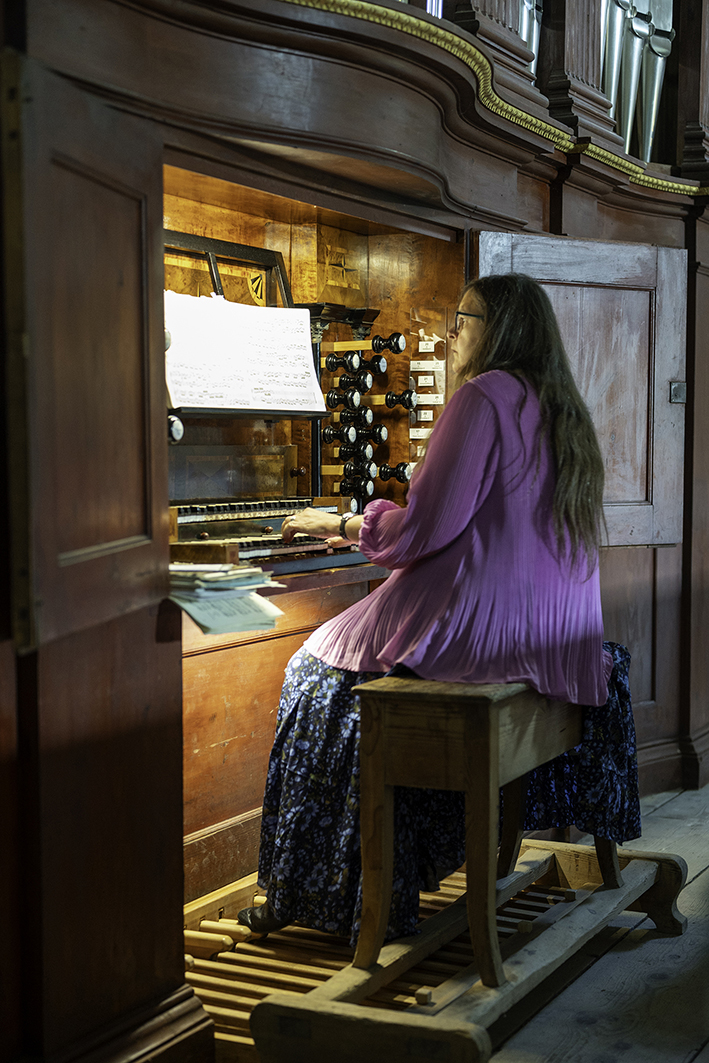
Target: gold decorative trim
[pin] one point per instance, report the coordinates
(481, 69)
(454, 45)
(635, 172)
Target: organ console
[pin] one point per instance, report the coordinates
(225, 508)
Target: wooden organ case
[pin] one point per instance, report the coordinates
(380, 301)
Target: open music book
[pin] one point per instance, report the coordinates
(230, 356)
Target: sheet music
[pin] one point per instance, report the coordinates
(218, 615)
(237, 357)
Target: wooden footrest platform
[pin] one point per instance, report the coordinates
(338, 1019)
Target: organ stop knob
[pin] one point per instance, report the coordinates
(350, 361)
(396, 343)
(377, 364)
(350, 399)
(363, 381)
(400, 472)
(408, 399)
(346, 433)
(359, 418)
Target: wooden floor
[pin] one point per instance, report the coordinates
(629, 996)
(645, 998)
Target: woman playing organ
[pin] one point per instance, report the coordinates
(494, 564)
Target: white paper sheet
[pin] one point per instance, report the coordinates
(221, 615)
(233, 356)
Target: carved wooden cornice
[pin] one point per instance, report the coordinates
(480, 67)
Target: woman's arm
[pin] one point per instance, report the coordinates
(321, 526)
(456, 476)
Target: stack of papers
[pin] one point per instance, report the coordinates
(223, 598)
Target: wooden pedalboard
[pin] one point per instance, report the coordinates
(297, 996)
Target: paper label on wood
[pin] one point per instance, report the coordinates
(233, 356)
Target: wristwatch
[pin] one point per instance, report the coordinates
(343, 520)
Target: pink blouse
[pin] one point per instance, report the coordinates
(478, 593)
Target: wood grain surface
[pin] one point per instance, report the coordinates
(645, 999)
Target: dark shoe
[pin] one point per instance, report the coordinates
(260, 920)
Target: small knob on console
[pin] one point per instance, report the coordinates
(346, 433)
(377, 364)
(362, 451)
(175, 428)
(378, 433)
(363, 381)
(362, 488)
(400, 472)
(396, 343)
(350, 399)
(408, 399)
(359, 418)
(350, 360)
(366, 468)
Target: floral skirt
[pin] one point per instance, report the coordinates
(309, 860)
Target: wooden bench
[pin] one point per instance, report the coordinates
(456, 736)
(476, 739)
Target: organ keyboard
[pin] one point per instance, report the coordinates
(228, 531)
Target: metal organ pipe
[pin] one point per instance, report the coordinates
(637, 38)
(638, 31)
(655, 56)
(618, 12)
(530, 23)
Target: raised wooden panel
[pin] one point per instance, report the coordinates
(101, 830)
(85, 340)
(99, 363)
(612, 368)
(231, 699)
(640, 592)
(622, 313)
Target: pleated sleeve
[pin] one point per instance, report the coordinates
(445, 493)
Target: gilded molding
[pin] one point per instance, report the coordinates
(482, 71)
(454, 45)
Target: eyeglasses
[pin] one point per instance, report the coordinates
(462, 313)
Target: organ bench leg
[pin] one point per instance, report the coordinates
(377, 833)
(482, 817)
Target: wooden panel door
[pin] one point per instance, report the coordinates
(622, 314)
(93, 824)
(83, 262)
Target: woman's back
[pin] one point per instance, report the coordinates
(478, 591)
